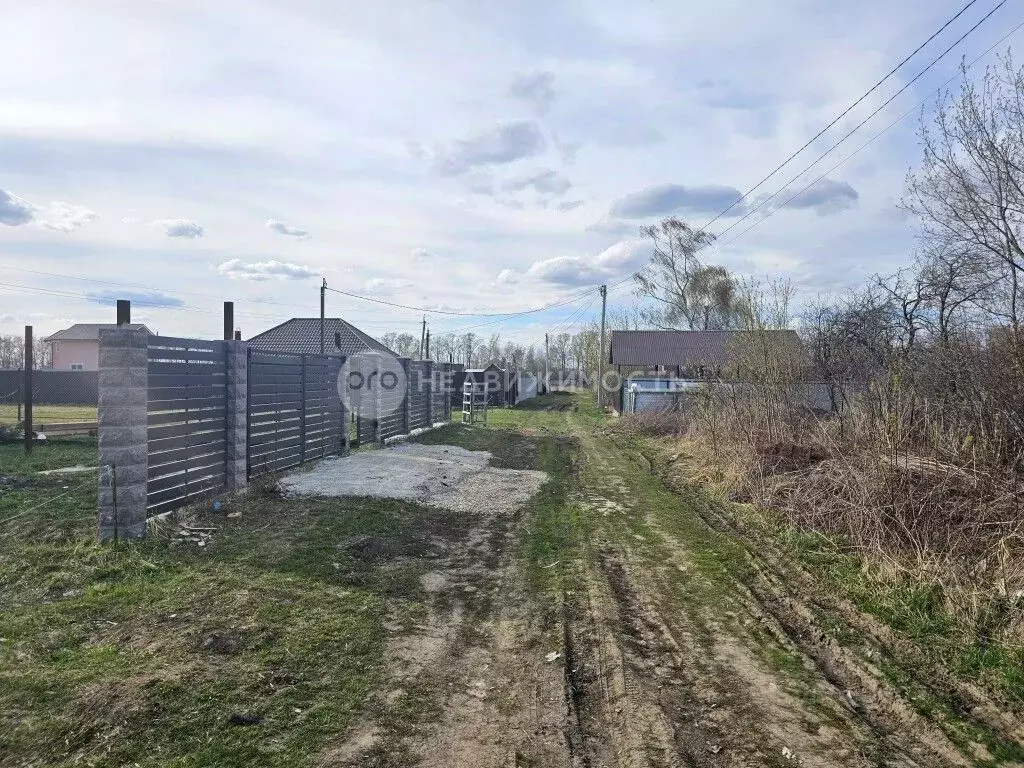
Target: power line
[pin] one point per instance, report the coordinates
(861, 124)
(870, 141)
(140, 287)
(445, 311)
(142, 305)
(574, 317)
(504, 319)
(842, 114)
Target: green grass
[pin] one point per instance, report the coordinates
(915, 609)
(535, 435)
(109, 655)
(102, 656)
(43, 414)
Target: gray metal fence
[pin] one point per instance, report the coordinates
(294, 410)
(185, 421)
(51, 387)
(182, 420)
(420, 387)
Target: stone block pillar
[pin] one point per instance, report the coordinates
(406, 397)
(428, 378)
(123, 383)
(236, 476)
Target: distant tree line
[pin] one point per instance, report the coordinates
(12, 352)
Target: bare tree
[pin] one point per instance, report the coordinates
(969, 192)
(687, 293)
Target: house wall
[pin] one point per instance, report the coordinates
(84, 353)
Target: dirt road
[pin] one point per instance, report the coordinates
(618, 622)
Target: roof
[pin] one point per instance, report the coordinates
(491, 367)
(302, 334)
(88, 331)
(683, 348)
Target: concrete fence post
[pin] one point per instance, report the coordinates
(429, 377)
(123, 385)
(407, 397)
(236, 471)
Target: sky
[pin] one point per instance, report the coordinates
(465, 156)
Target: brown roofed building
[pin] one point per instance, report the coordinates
(691, 354)
(302, 335)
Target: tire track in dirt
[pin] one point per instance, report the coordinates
(469, 685)
(796, 599)
(792, 590)
(726, 706)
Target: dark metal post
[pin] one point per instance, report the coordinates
(428, 344)
(29, 435)
(229, 320)
(600, 357)
(323, 292)
(124, 312)
(302, 409)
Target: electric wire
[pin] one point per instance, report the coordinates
(750, 212)
(841, 115)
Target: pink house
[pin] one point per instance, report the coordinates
(78, 348)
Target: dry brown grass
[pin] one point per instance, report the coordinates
(914, 497)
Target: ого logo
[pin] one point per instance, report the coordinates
(372, 384)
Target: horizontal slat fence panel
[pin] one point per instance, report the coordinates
(185, 413)
(295, 412)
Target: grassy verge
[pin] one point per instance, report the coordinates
(42, 414)
(258, 649)
(911, 606)
(262, 647)
(535, 435)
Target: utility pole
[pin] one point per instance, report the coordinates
(323, 294)
(600, 357)
(546, 353)
(423, 336)
(428, 344)
(27, 388)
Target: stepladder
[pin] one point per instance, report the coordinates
(474, 402)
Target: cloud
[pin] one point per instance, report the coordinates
(535, 88)
(564, 270)
(826, 197)
(570, 205)
(504, 144)
(508, 277)
(613, 228)
(14, 211)
(65, 217)
(616, 261)
(664, 199)
(57, 216)
(179, 228)
(385, 286)
(422, 254)
(6, 318)
(260, 271)
(283, 229)
(138, 298)
(544, 181)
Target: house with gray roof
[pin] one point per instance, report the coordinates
(302, 335)
(78, 348)
(691, 354)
